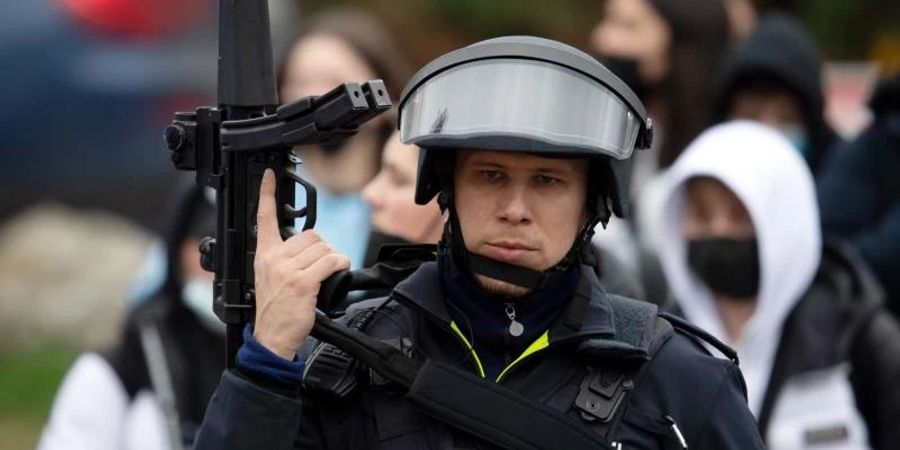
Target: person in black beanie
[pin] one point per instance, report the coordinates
(775, 77)
(859, 190)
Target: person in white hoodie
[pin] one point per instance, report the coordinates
(744, 257)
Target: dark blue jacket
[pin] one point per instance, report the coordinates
(859, 192)
(702, 394)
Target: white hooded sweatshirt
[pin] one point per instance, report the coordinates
(774, 184)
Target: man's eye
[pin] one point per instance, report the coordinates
(547, 180)
(492, 175)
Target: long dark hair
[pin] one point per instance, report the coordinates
(366, 36)
(372, 42)
(700, 39)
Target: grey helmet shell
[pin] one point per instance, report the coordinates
(533, 51)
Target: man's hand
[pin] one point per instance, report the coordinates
(288, 276)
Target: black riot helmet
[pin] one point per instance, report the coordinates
(531, 95)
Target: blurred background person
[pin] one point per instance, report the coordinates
(150, 389)
(743, 252)
(741, 18)
(669, 46)
(396, 217)
(335, 47)
(859, 190)
(775, 77)
(673, 45)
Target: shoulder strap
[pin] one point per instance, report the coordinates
(127, 356)
(126, 359)
(468, 403)
(394, 264)
(332, 371)
(161, 379)
(616, 364)
(495, 413)
(638, 333)
(701, 336)
(635, 322)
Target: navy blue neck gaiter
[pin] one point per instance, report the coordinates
(484, 318)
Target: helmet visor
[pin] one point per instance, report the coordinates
(521, 99)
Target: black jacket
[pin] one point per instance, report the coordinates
(859, 191)
(780, 49)
(189, 349)
(704, 395)
(841, 319)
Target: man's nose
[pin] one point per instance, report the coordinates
(721, 225)
(513, 204)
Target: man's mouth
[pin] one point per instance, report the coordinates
(510, 251)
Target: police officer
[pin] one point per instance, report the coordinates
(525, 144)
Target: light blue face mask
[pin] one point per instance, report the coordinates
(343, 221)
(796, 135)
(197, 295)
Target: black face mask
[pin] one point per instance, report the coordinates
(728, 266)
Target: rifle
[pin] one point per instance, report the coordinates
(230, 146)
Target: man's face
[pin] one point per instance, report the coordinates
(520, 209)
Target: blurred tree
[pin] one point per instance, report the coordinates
(844, 29)
(849, 29)
(428, 28)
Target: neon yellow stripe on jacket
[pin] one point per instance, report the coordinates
(470, 348)
(536, 346)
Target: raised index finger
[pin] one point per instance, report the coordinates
(266, 217)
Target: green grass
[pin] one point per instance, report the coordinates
(28, 382)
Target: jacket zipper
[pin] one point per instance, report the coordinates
(454, 329)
